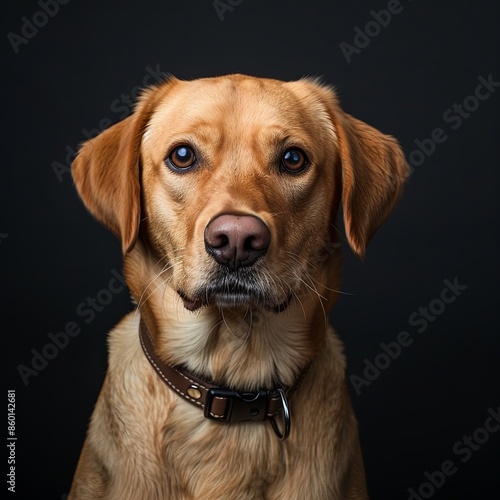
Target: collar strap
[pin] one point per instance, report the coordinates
(219, 403)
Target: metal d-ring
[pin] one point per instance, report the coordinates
(286, 418)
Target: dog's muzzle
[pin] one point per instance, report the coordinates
(236, 243)
(239, 289)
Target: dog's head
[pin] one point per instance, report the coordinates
(233, 184)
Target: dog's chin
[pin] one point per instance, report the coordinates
(190, 304)
(233, 301)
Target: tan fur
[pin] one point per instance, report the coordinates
(144, 441)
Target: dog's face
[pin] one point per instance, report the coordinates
(237, 178)
(234, 183)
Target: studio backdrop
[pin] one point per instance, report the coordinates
(418, 316)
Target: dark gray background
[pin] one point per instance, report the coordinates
(68, 77)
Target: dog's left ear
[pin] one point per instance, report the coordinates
(374, 169)
(372, 164)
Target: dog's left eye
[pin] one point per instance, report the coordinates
(294, 161)
(181, 158)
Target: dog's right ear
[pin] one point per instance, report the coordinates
(106, 170)
(106, 175)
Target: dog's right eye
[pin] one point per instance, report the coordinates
(181, 158)
(294, 161)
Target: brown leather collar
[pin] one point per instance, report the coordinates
(219, 403)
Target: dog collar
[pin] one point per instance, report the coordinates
(219, 403)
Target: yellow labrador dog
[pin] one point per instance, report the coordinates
(227, 382)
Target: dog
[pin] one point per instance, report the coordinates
(226, 382)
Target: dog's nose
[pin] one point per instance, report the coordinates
(237, 240)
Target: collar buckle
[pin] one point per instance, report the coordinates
(227, 405)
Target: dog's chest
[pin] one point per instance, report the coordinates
(211, 460)
(211, 463)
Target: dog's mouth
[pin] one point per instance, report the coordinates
(230, 301)
(234, 292)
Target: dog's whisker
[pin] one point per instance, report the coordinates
(332, 289)
(248, 332)
(165, 269)
(320, 298)
(152, 293)
(339, 232)
(311, 286)
(143, 300)
(300, 303)
(221, 312)
(296, 259)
